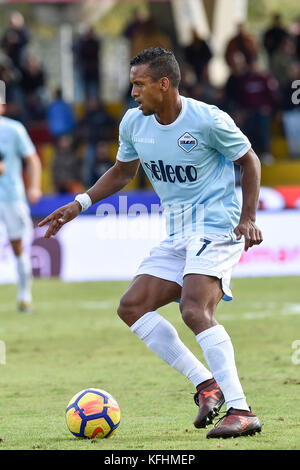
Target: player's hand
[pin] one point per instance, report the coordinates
(251, 232)
(60, 217)
(33, 195)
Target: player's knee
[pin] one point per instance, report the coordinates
(125, 308)
(196, 315)
(17, 247)
(128, 308)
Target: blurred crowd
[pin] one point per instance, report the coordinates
(258, 91)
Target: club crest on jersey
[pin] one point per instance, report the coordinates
(187, 142)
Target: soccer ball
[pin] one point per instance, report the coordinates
(93, 413)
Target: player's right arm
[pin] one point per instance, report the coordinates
(115, 179)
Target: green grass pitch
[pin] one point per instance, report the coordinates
(75, 340)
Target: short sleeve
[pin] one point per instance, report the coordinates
(126, 151)
(24, 143)
(226, 137)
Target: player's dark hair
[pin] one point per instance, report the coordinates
(161, 62)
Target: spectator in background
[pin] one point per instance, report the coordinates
(205, 91)
(297, 40)
(103, 160)
(149, 36)
(243, 42)
(33, 76)
(15, 39)
(32, 85)
(290, 97)
(67, 167)
(97, 124)
(198, 55)
(134, 26)
(12, 90)
(87, 55)
(258, 95)
(282, 58)
(231, 100)
(188, 79)
(60, 116)
(232, 88)
(274, 36)
(295, 33)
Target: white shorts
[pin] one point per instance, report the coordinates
(16, 218)
(216, 255)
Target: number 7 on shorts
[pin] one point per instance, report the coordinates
(206, 242)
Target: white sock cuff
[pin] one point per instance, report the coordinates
(144, 325)
(212, 336)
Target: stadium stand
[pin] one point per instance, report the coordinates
(255, 92)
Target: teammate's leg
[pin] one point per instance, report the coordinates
(138, 309)
(16, 217)
(24, 270)
(199, 299)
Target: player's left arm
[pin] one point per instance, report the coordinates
(33, 170)
(250, 183)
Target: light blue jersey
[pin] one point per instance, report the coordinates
(190, 165)
(15, 144)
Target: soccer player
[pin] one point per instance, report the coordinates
(187, 148)
(16, 145)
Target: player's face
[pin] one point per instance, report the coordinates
(146, 91)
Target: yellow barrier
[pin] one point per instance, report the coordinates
(281, 173)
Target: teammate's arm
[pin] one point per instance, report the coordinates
(115, 179)
(250, 183)
(33, 170)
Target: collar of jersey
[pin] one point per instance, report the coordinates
(179, 117)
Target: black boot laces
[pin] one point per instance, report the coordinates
(225, 413)
(196, 399)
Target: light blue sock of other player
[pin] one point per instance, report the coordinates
(219, 355)
(162, 338)
(24, 277)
